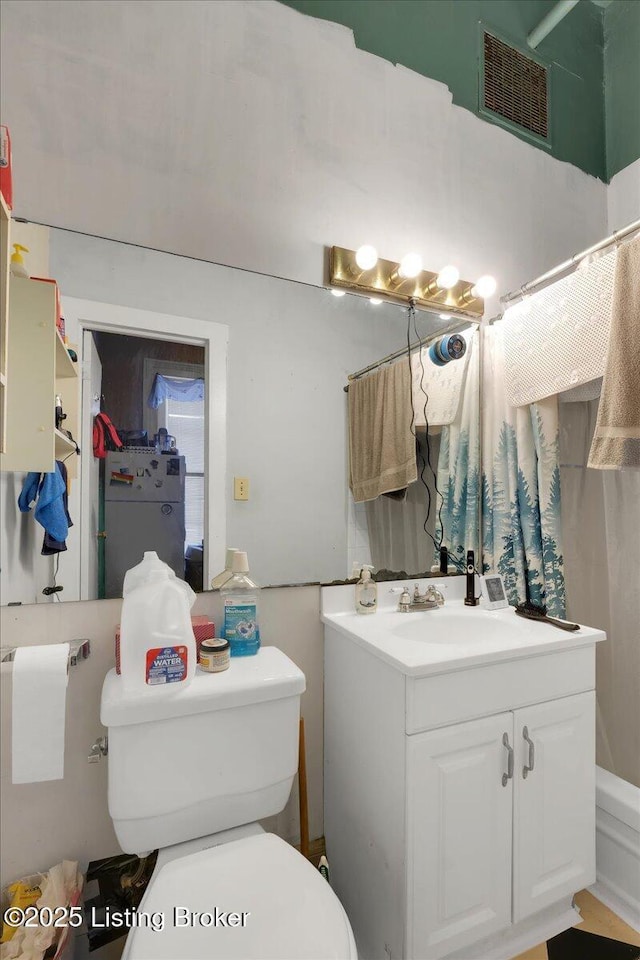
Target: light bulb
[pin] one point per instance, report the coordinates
(366, 257)
(448, 277)
(410, 266)
(375, 301)
(484, 287)
(338, 293)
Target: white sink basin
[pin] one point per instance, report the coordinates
(467, 626)
(450, 637)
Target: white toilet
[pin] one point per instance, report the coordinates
(190, 773)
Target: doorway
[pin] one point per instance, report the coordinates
(87, 319)
(147, 493)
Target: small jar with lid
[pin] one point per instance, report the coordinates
(214, 655)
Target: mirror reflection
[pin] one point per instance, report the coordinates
(405, 529)
(235, 383)
(150, 477)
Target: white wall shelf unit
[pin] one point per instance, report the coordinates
(39, 369)
(5, 241)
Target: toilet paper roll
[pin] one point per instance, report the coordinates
(39, 692)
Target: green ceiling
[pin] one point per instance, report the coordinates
(594, 55)
(622, 83)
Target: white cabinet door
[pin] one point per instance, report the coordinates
(459, 819)
(554, 804)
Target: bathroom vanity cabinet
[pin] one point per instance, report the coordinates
(460, 794)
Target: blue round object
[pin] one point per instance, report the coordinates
(449, 348)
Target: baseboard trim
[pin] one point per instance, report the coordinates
(615, 899)
(618, 855)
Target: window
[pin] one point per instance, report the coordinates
(185, 422)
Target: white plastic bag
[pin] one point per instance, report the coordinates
(60, 889)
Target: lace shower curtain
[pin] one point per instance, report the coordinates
(522, 536)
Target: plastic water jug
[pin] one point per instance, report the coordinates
(157, 645)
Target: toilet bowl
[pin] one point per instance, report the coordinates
(190, 774)
(255, 897)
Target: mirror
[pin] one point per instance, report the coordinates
(274, 356)
(441, 508)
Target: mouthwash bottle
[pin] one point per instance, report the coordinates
(240, 598)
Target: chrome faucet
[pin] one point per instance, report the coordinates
(429, 600)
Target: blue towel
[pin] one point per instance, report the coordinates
(50, 509)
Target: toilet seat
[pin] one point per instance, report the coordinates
(293, 913)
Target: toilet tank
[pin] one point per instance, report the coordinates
(218, 753)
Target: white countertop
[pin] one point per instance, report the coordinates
(448, 638)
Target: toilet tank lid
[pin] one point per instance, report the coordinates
(269, 675)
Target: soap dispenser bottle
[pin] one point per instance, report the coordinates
(18, 268)
(366, 592)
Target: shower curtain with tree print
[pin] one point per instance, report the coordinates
(520, 488)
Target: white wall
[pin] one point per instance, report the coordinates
(43, 823)
(623, 197)
(249, 134)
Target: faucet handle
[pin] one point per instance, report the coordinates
(99, 750)
(433, 593)
(404, 604)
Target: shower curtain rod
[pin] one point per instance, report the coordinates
(573, 262)
(412, 348)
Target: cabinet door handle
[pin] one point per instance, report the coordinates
(528, 767)
(509, 774)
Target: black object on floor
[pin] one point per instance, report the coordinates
(579, 945)
(120, 882)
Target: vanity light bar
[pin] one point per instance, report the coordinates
(385, 281)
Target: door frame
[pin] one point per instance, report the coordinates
(92, 315)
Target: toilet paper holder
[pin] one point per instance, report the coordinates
(78, 650)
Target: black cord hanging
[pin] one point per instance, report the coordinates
(424, 463)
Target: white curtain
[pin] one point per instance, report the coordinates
(600, 522)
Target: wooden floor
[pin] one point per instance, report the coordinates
(596, 919)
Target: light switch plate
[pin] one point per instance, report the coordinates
(241, 488)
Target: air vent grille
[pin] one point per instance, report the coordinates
(515, 86)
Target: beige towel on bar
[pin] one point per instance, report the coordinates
(382, 445)
(616, 441)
